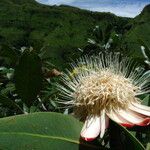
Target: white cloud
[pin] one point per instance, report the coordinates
(128, 10)
(125, 8)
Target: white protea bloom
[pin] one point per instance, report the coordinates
(102, 87)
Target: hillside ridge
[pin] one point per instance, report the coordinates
(62, 29)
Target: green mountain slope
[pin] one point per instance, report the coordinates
(60, 29)
(63, 29)
(139, 29)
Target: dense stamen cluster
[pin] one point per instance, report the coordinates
(102, 82)
(104, 90)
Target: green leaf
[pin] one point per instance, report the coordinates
(42, 131)
(6, 102)
(146, 100)
(148, 146)
(9, 88)
(133, 143)
(9, 53)
(28, 77)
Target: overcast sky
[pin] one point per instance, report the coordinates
(127, 8)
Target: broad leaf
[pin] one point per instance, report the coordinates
(42, 131)
(28, 77)
(132, 142)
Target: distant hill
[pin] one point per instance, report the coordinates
(61, 29)
(139, 29)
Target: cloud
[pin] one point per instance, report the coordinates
(125, 8)
(128, 10)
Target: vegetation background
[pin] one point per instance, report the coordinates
(37, 43)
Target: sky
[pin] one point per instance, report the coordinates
(125, 8)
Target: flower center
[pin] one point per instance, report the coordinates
(104, 90)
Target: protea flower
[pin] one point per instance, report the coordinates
(105, 87)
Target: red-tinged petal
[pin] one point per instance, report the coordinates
(141, 109)
(88, 139)
(91, 128)
(130, 116)
(140, 106)
(127, 125)
(119, 119)
(104, 121)
(145, 122)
